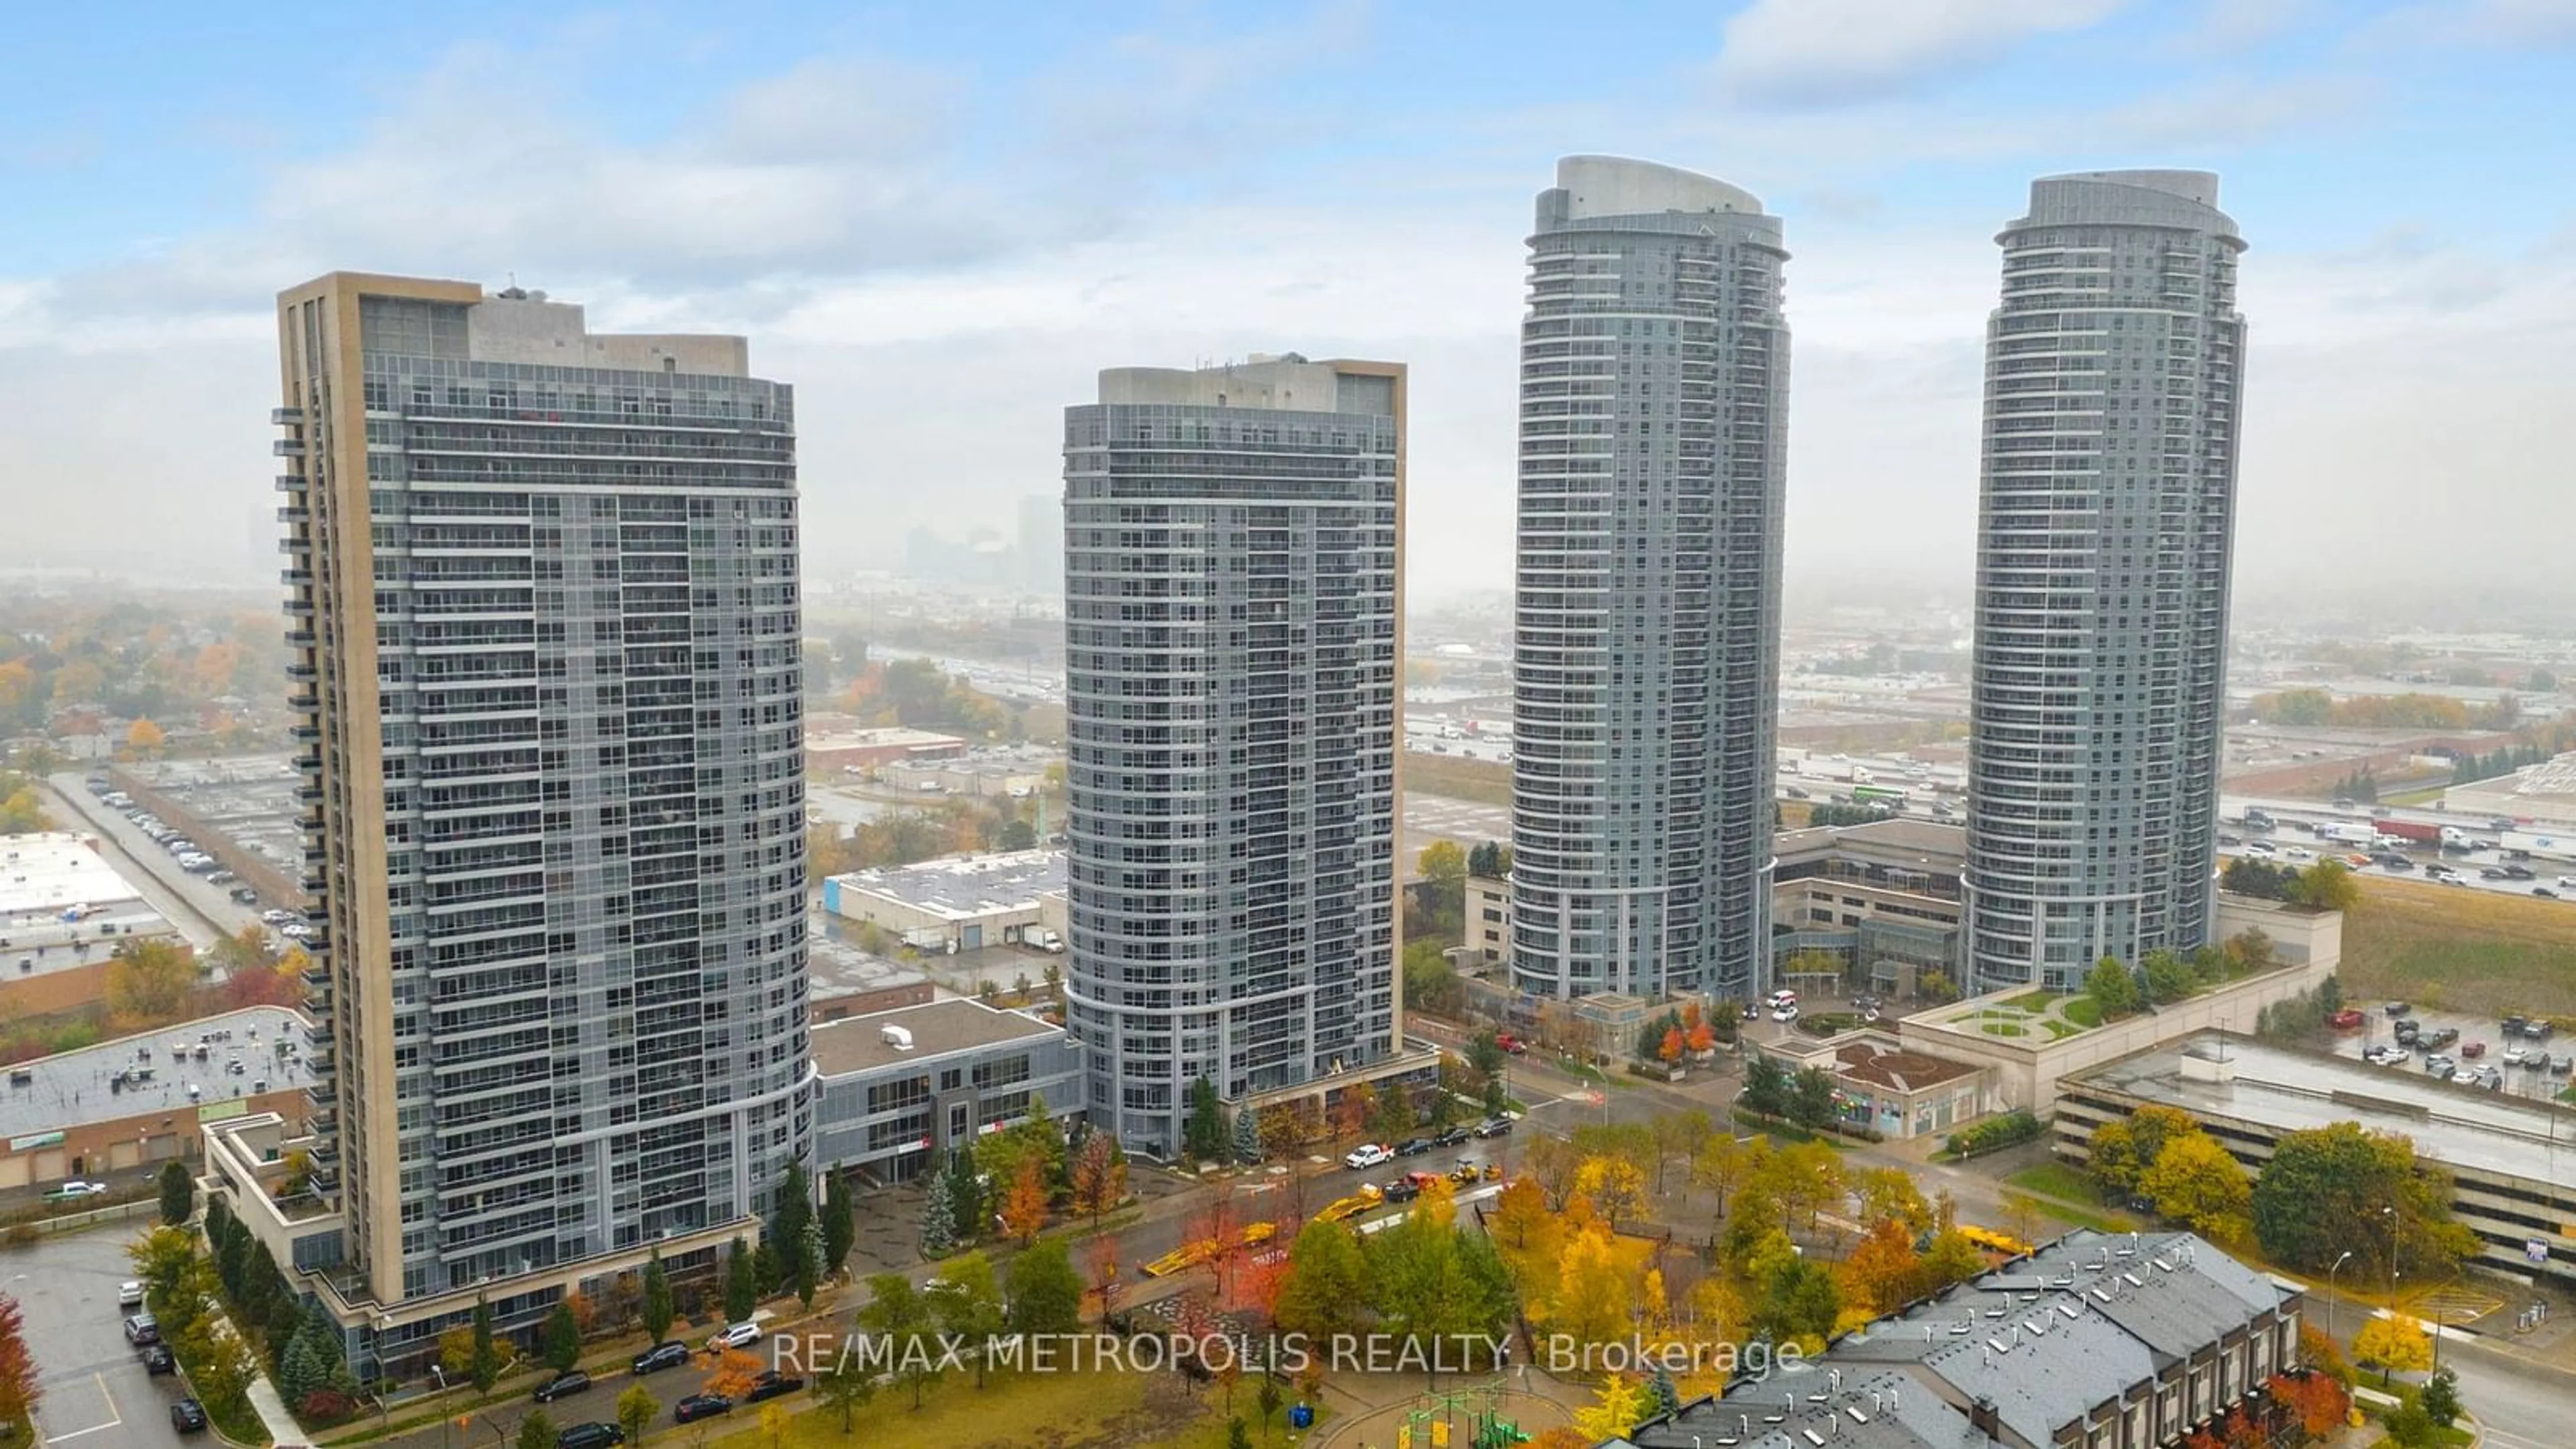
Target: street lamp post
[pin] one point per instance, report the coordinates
(2330, 1290)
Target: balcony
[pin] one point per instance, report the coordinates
(287, 447)
(283, 417)
(317, 1034)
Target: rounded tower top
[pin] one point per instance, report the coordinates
(1619, 186)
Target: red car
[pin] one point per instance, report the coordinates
(1511, 1043)
(2473, 1049)
(2348, 1019)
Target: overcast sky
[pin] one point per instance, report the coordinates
(940, 221)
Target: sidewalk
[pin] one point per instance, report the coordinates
(280, 1424)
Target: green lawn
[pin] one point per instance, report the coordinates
(2084, 1011)
(1998, 1026)
(2058, 1180)
(2460, 950)
(2033, 1002)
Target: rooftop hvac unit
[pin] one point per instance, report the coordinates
(898, 1037)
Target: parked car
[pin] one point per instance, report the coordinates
(188, 1416)
(593, 1435)
(734, 1335)
(2473, 1050)
(1368, 1154)
(2396, 1009)
(75, 1190)
(700, 1406)
(129, 1294)
(2512, 1057)
(142, 1330)
(2348, 1019)
(1450, 1137)
(562, 1385)
(2545, 893)
(157, 1361)
(1494, 1127)
(2560, 1066)
(1401, 1189)
(666, 1354)
(1413, 1147)
(769, 1385)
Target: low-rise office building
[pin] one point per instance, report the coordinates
(865, 751)
(842, 980)
(2094, 1341)
(900, 1088)
(1488, 917)
(2512, 1160)
(958, 902)
(1888, 1088)
(142, 1100)
(64, 910)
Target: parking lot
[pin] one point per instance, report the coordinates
(2485, 1034)
(96, 1393)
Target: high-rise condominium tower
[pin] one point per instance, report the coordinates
(544, 639)
(1654, 397)
(1233, 632)
(2112, 379)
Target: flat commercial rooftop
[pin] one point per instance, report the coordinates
(859, 1044)
(73, 1088)
(2294, 1092)
(963, 887)
(834, 967)
(47, 874)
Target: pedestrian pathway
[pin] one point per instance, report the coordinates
(265, 1400)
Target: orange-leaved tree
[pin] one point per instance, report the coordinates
(1024, 1202)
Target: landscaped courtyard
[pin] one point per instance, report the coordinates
(2038, 1015)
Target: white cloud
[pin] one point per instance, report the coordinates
(1811, 52)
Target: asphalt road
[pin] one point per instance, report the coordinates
(96, 1394)
(202, 912)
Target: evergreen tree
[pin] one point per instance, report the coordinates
(741, 1287)
(809, 1263)
(178, 1194)
(789, 1216)
(1247, 1134)
(562, 1338)
(840, 1224)
(966, 1195)
(486, 1367)
(1203, 1137)
(1668, 1396)
(657, 1309)
(939, 1217)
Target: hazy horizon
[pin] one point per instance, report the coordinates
(939, 232)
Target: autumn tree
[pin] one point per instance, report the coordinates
(636, 1410)
(2393, 1344)
(2121, 1150)
(2196, 1183)
(1594, 1293)
(20, 1390)
(2320, 1402)
(1099, 1176)
(1024, 1204)
(148, 979)
(733, 1373)
(144, 738)
(1614, 1186)
(1883, 1272)
(1614, 1411)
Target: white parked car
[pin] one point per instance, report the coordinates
(1784, 1013)
(129, 1295)
(1368, 1154)
(734, 1335)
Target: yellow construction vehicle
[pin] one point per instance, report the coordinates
(1367, 1197)
(1190, 1255)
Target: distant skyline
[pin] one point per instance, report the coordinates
(938, 225)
